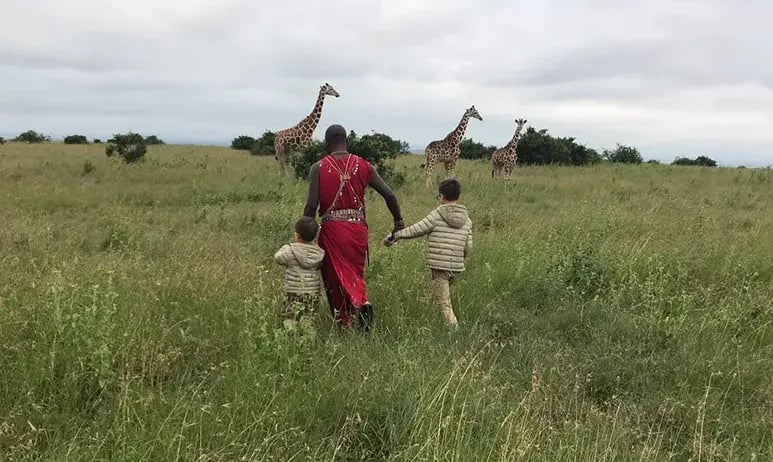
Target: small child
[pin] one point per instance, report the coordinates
(449, 243)
(302, 278)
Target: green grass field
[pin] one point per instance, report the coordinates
(609, 313)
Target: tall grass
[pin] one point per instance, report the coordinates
(608, 313)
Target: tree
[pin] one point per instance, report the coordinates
(377, 148)
(537, 147)
(579, 154)
(243, 143)
(704, 161)
(700, 161)
(473, 150)
(653, 162)
(75, 139)
(624, 155)
(2, 140)
(683, 161)
(97, 141)
(31, 136)
(130, 147)
(153, 140)
(264, 146)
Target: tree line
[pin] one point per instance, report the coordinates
(33, 137)
(535, 147)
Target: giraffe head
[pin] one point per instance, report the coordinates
(328, 89)
(520, 122)
(472, 112)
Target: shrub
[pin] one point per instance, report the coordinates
(653, 162)
(264, 146)
(31, 136)
(473, 150)
(87, 168)
(97, 141)
(75, 139)
(377, 148)
(130, 146)
(2, 140)
(700, 161)
(153, 140)
(623, 154)
(243, 143)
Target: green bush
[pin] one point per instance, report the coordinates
(377, 148)
(700, 161)
(623, 154)
(76, 139)
(264, 146)
(153, 140)
(130, 147)
(243, 143)
(31, 136)
(87, 168)
(473, 150)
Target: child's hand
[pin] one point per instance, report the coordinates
(390, 240)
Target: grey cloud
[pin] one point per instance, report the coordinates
(220, 68)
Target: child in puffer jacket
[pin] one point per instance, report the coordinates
(449, 243)
(302, 260)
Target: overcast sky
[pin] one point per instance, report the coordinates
(670, 77)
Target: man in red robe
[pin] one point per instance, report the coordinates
(337, 185)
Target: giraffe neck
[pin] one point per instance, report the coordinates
(456, 135)
(312, 119)
(514, 142)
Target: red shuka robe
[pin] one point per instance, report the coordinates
(345, 242)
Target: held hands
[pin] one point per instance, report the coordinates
(399, 224)
(390, 239)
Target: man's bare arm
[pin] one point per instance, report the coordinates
(377, 183)
(312, 199)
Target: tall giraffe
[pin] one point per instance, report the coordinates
(447, 149)
(298, 137)
(506, 156)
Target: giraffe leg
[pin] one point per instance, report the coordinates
(508, 171)
(450, 169)
(279, 150)
(429, 165)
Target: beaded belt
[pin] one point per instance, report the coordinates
(344, 215)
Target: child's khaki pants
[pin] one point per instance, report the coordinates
(441, 291)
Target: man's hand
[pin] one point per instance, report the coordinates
(399, 224)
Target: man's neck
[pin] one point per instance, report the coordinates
(338, 151)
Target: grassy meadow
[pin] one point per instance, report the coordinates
(609, 313)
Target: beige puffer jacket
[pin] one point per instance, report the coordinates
(450, 236)
(302, 262)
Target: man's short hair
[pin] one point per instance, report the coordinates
(335, 134)
(307, 228)
(450, 188)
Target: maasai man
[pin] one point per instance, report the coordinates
(337, 185)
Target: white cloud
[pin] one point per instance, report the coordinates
(673, 77)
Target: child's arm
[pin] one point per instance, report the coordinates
(283, 255)
(419, 229)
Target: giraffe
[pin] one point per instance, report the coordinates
(298, 137)
(447, 149)
(506, 156)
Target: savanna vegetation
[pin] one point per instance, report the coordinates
(610, 312)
